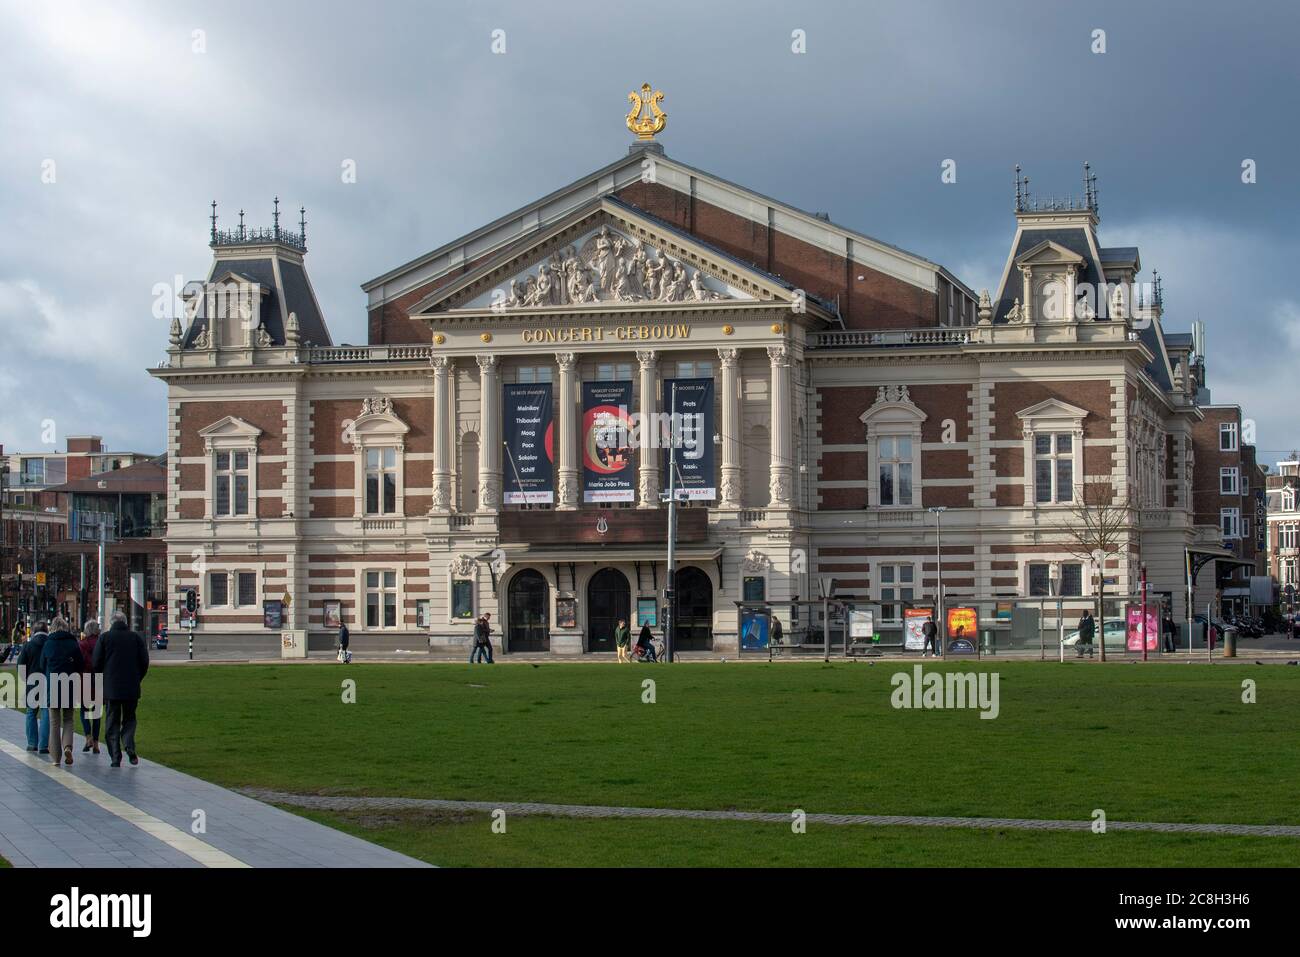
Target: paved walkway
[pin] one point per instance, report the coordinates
(586, 810)
(91, 815)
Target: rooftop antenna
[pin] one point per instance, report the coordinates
(214, 220)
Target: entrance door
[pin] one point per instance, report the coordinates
(693, 630)
(528, 613)
(609, 598)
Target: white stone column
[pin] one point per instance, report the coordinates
(441, 498)
(782, 446)
(489, 444)
(732, 484)
(567, 484)
(648, 455)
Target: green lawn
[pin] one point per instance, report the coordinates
(466, 840)
(1157, 742)
(1154, 742)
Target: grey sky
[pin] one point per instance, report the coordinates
(144, 132)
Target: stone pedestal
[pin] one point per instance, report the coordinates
(566, 642)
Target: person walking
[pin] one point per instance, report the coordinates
(344, 639)
(482, 647)
(36, 698)
(62, 665)
(622, 637)
(1087, 630)
(931, 632)
(1170, 631)
(90, 726)
(123, 657)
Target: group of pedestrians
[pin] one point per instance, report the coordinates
(61, 676)
(481, 649)
(644, 650)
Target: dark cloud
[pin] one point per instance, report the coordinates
(446, 136)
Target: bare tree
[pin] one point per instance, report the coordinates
(1098, 522)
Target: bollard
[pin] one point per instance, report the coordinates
(1230, 643)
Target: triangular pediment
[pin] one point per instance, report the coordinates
(231, 427)
(1049, 253)
(606, 257)
(1053, 410)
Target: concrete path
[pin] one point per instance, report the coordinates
(91, 815)
(322, 803)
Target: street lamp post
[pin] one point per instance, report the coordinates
(670, 597)
(937, 511)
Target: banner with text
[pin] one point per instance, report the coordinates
(529, 474)
(607, 469)
(689, 403)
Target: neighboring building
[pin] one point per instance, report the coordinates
(135, 498)
(452, 466)
(1284, 530)
(34, 522)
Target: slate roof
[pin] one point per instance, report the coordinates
(1073, 238)
(298, 298)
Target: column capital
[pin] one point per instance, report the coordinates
(647, 357)
(566, 360)
(440, 363)
(728, 357)
(487, 363)
(778, 355)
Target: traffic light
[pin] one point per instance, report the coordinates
(191, 600)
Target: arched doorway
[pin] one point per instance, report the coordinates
(609, 598)
(693, 629)
(528, 620)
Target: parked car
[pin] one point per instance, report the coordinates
(1116, 635)
(160, 639)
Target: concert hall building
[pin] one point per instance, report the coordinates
(837, 388)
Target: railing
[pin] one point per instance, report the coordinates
(370, 354)
(752, 516)
(246, 235)
(378, 525)
(462, 521)
(850, 338)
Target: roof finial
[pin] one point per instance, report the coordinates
(241, 225)
(1089, 186)
(1019, 197)
(302, 224)
(275, 217)
(1158, 292)
(214, 220)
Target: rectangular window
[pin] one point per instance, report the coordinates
(897, 586)
(895, 469)
(1287, 534)
(381, 599)
(614, 372)
(1228, 481)
(1054, 468)
(755, 588)
(462, 599)
(1070, 584)
(531, 374)
(230, 483)
(381, 481)
(218, 590)
(247, 588)
(1228, 437)
(695, 370)
(1230, 522)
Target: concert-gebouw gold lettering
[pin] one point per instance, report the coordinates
(634, 332)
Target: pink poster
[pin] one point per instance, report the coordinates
(1135, 629)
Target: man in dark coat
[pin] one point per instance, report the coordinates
(62, 665)
(123, 657)
(1087, 631)
(931, 632)
(38, 715)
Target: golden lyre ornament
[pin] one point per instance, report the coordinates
(645, 118)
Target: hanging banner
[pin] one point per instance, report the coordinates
(607, 469)
(528, 474)
(689, 403)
